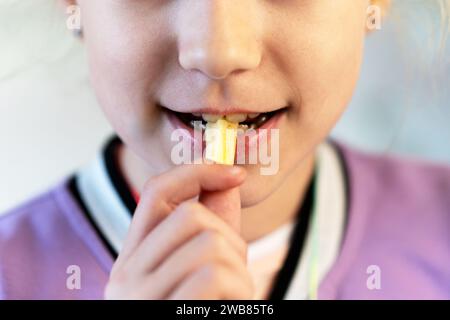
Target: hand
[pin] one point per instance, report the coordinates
(179, 247)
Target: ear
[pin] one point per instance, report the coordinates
(67, 2)
(383, 4)
(376, 12)
(72, 12)
(63, 4)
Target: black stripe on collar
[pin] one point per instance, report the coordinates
(117, 178)
(297, 244)
(346, 178)
(73, 188)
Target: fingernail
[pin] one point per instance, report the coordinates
(235, 170)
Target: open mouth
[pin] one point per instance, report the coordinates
(245, 120)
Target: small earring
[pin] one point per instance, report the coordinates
(78, 32)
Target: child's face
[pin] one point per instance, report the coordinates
(255, 55)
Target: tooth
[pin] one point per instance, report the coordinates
(253, 115)
(236, 117)
(197, 125)
(211, 117)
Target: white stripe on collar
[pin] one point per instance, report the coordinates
(322, 246)
(103, 202)
(326, 226)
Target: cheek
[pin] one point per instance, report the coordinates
(325, 64)
(126, 62)
(321, 62)
(327, 80)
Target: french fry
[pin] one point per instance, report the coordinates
(220, 140)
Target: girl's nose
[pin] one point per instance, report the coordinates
(218, 37)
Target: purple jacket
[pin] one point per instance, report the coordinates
(398, 219)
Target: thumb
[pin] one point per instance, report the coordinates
(226, 204)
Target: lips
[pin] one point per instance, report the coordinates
(245, 120)
(193, 131)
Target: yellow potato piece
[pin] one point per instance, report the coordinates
(220, 140)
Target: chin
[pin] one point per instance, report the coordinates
(257, 188)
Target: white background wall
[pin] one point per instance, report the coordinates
(50, 123)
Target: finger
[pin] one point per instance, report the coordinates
(188, 220)
(213, 282)
(205, 248)
(163, 193)
(226, 204)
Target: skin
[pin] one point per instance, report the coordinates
(216, 54)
